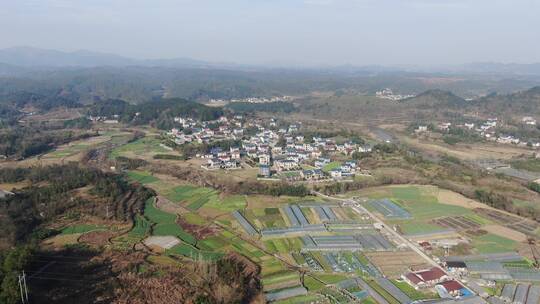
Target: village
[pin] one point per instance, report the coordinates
(252, 99)
(487, 130)
(279, 150)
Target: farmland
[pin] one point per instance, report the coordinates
(439, 212)
(143, 147)
(328, 241)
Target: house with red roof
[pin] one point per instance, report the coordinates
(452, 287)
(425, 278)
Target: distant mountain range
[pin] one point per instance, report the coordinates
(31, 57)
(44, 58)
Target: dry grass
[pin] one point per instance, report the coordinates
(467, 151)
(61, 240)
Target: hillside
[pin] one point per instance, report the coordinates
(524, 102)
(436, 98)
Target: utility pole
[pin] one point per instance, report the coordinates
(23, 288)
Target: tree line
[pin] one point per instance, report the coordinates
(160, 113)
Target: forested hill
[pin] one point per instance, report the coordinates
(272, 107)
(436, 98)
(159, 112)
(524, 102)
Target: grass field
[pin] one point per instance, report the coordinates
(330, 166)
(382, 292)
(227, 204)
(532, 164)
(285, 245)
(423, 205)
(194, 197)
(77, 146)
(415, 227)
(143, 177)
(412, 293)
(271, 265)
(491, 243)
(194, 253)
(81, 229)
(145, 145)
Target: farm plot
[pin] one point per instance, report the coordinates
(76, 147)
(266, 217)
(524, 226)
(165, 223)
(163, 242)
(416, 228)
(140, 147)
(390, 209)
(420, 202)
(457, 222)
(491, 243)
(227, 204)
(143, 177)
(193, 252)
(393, 264)
(285, 245)
(83, 228)
(191, 196)
(280, 280)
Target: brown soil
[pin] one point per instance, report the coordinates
(200, 232)
(96, 238)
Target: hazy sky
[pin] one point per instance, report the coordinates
(283, 32)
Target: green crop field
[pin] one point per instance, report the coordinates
(141, 227)
(271, 265)
(424, 205)
(284, 245)
(312, 285)
(246, 249)
(330, 278)
(307, 299)
(165, 223)
(215, 242)
(280, 277)
(194, 219)
(412, 293)
(195, 197)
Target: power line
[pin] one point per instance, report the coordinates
(23, 288)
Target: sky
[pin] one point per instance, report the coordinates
(283, 32)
